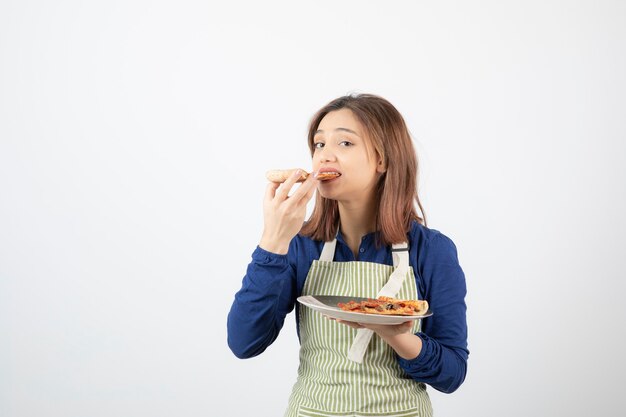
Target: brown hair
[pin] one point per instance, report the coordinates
(397, 187)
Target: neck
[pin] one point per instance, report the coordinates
(357, 220)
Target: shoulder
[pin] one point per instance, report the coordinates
(431, 243)
(422, 235)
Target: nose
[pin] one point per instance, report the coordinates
(325, 154)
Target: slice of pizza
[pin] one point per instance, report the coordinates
(387, 306)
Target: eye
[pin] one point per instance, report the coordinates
(345, 143)
(318, 145)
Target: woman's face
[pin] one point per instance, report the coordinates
(342, 145)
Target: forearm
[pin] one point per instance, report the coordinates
(252, 326)
(425, 359)
(442, 362)
(260, 306)
(407, 345)
(442, 367)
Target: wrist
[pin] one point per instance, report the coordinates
(274, 245)
(407, 345)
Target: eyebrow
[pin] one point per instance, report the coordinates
(340, 129)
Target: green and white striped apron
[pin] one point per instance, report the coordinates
(331, 384)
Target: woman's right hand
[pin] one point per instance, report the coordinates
(283, 214)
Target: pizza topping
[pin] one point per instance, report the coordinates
(386, 305)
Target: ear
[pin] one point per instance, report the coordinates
(380, 165)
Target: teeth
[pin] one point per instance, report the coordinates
(328, 175)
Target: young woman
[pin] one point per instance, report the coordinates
(364, 229)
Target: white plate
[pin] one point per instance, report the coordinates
(327, 305)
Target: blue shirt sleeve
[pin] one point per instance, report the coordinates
(266, 296)
(442, 362)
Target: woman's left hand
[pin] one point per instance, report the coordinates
(383, 330)
(398, 336)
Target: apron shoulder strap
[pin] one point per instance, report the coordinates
(328, 251)
(400, 254)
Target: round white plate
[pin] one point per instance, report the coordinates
(327, 305)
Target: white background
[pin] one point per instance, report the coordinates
(134, 138)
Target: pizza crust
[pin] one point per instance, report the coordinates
(282, 175)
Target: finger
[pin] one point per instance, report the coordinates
(350, 323)
(310, 193)
(407, 325)
(305, 191)
(283, 191)
(270, 191)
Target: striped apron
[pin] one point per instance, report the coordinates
(329, 383)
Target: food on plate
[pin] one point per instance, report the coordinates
(387, 306)
(282, 175)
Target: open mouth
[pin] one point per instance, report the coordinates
(327, 175)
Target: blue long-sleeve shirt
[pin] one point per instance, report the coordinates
(273, 282)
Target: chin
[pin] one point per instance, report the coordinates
(328, 196)
(326, 193)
